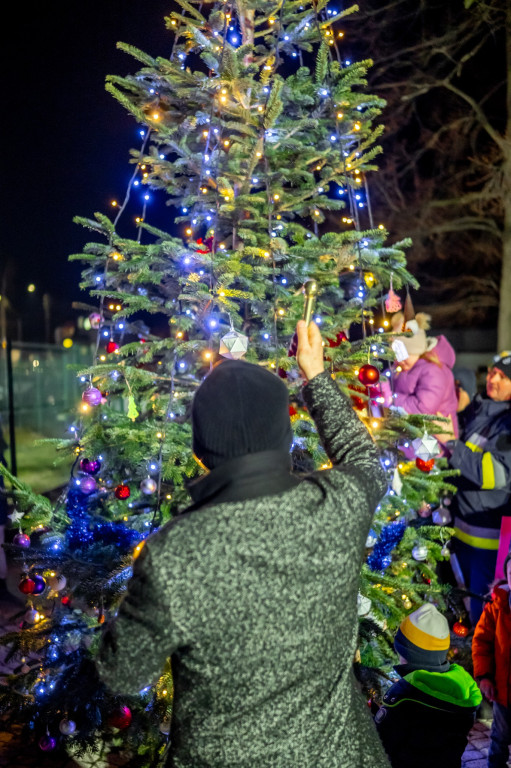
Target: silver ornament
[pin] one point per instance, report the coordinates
(445, 551)
(420, 552)
(426, 447)
(233, 345)
(31, 616)
(363, 605)
(148, 485)
(67, 727)
(371, 540)
(165, 727)
(397, 483)
(441, 516)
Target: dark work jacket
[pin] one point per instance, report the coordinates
(426, 716)
(483, 456)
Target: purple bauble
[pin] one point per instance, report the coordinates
(88, 484)
(90, 466)
(67, 727)
(21, 540)
(47, 743)
(40, 585)
(92, 396)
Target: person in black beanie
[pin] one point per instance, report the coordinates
(252, 591)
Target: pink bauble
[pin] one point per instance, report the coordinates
(21, 540)
(90, 466)
(91, 396)
(88, 484)
(121, 718)
(95, 320)
(47, 743)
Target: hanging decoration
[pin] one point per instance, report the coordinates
(92, 396)
(21, 540)
(122, 491)
(368, 374)
(426, 447)
(392, 300)
(425, 466)
(420, 552)
(90, 466)
(148, 485)
(234, 344)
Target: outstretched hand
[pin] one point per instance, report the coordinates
(309, 354)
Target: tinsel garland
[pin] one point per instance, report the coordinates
(87, 529)
(390, 536)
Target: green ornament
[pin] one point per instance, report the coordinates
(132, 408)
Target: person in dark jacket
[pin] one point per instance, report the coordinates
(426, 716)
(252, 592)
(491, 655)
(483, 456)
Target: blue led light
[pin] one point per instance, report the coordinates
(318, 320)
(266, 335)
(136, 183)
(106, 333)
(284, 281)
(184, 210)
(333, 138)
(142, 133)
(212, 323)
(146, 197)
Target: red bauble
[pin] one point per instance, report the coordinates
(460, 629)
(26, 586)
(208, 243)
(121, 718)
(122, 491)
(341, 336)
(358, 402)
(66, 600)
(112, 346)
(292, 410)
(368, 375)
(425, 466)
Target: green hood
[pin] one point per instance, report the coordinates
(455, 686)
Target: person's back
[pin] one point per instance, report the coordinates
(253, 590)
(426, 716)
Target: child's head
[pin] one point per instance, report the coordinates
(423, 639)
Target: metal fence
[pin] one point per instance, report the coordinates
(38, 390)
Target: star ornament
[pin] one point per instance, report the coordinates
(426, 447)
(233, 345)
(15, 516)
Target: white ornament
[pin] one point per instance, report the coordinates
(363, 605)
(165, 727)
(397, 483)
(148, 485)
(15, 516)
(441, 516)
(57, 583)
(233, 345)
(67, 726)
(420, 552)
(371, 540)
(445, 551)
(426, 447)
(31, 616)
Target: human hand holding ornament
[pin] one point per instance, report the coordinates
(309, 353)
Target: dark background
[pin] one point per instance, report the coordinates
(66, 140)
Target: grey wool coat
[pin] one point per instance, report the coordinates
(255, 600)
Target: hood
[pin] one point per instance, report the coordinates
(455, 686)
(500, 594)
(444, 351)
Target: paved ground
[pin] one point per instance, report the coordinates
(16, 754)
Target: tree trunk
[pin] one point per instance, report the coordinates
(504, 327)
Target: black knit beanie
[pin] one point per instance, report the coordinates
(239, 408)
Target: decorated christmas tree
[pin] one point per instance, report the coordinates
(261, 137)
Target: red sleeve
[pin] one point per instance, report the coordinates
(483, 643)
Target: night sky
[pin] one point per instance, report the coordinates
(67, 141)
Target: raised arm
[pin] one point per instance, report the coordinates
(347, 442)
